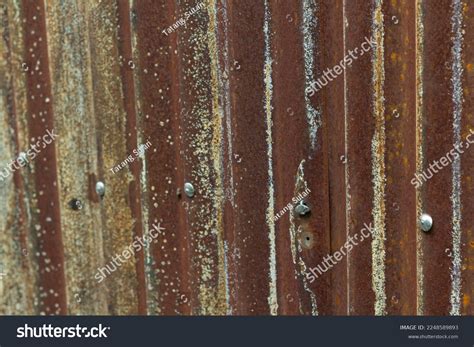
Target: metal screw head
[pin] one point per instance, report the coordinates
(302, 208)
(189, 189)
(426, 222)
(75, 204)
(100, 188)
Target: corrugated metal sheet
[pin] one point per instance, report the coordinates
(222, 101)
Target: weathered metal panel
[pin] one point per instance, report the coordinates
(362, 123)
(440, 121)
(222, 100)
(400, 142)
(332, 30)
(45, 232)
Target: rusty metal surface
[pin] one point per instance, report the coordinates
(223, 101)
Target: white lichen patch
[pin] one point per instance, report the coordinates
(378, 163)
(419, 152)
(270, 214)
(309, 27)
(457, 99)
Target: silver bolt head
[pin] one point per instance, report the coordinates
(302, 209)
(426, 222)
(100, 188)
(189, 190)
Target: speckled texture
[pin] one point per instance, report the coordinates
(222, 101)
(378, 163)
(457, 92)
(419, 151)
(272, 296)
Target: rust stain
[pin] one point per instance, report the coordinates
(218, 88)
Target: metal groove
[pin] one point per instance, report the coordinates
(222, 93)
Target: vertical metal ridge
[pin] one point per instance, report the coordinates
(419, 152)
(223, 71)
(270, 213)
(130, 53)
(346, 165)
(378, 162)
(309, 27)
(129, 88)
(457, 99)
(50, 258)
(438, 180)
(218, 157)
